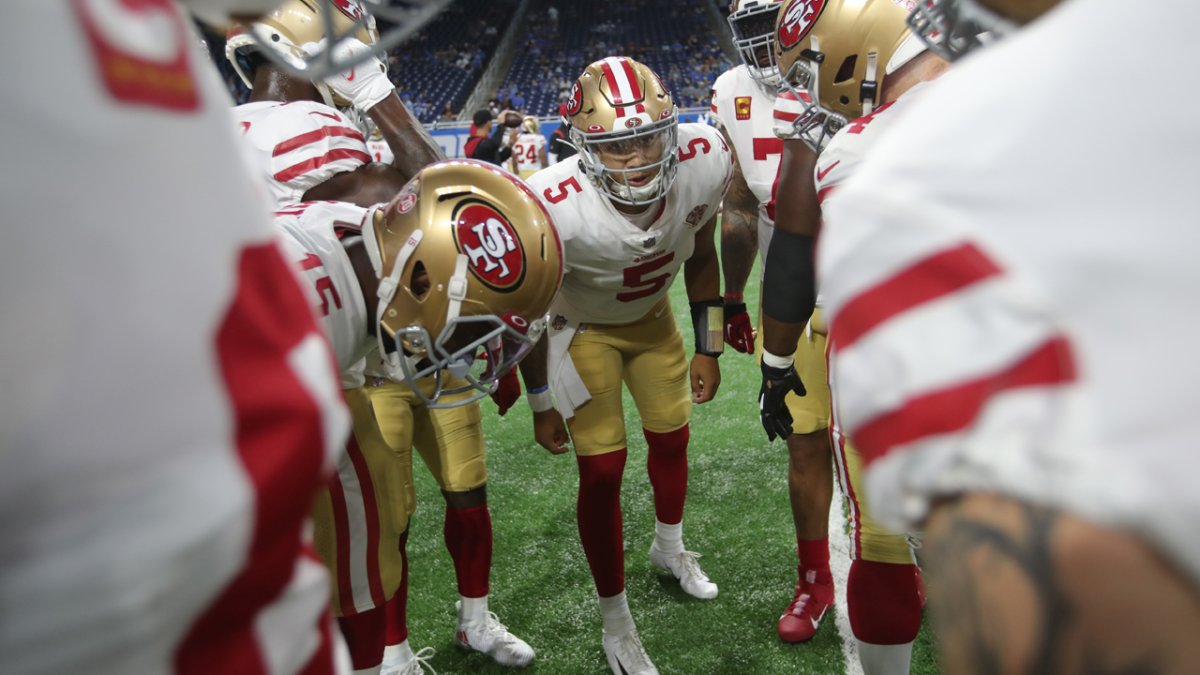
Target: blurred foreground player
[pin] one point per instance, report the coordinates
(995, 269)
(147, 532)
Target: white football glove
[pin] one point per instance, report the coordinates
(365, 84)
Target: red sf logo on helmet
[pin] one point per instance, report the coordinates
(351, 8)
(798, 19)
(575, 103)
(494, 252)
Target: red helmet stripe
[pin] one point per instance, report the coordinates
(622, 83)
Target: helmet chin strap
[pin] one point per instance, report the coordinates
(387, 288)
(457, 292)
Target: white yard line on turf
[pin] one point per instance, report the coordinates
(839, 566)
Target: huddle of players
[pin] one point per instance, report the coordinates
(961, 442)
(404, 261)
(829, 79)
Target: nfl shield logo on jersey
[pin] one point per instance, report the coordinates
(741, 107)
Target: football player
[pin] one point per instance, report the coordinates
(305, 134)
(462, 261)
(639, 202)
(529, 150)
(853, 72)
(170, 406)
(990, 273)
(743, 103)
(306, 149)
(377, 145)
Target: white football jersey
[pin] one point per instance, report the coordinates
(527, 152)
(746, 111)
(848, 148)
(311, 238)
(614, 270)
(379, 150)
(1012, 295)
(170, 407)
(299, 145)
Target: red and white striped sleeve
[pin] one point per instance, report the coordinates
(946, 366)
(304, 144)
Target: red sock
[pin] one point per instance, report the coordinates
(883, 602)
(468, 534)
(598, 510)
(364, 633)
(666, 462)
(813, 553)
(397, 607)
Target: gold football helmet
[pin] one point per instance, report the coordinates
(530, 125)
(952, 28)
(620, 108)
(468, 261)
(293, 24)
(839, 51)
(279, 35)
(753, 26)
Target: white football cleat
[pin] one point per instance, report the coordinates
(491, 637)
(686, 569)
(626, 655)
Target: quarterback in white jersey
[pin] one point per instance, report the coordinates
(529, 150)
(639, 202)
(170, 407)
(384, 274)
(1011, 307)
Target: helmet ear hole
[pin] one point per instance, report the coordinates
(418, 283)
(846, 71)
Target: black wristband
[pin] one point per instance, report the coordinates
(789, 281)
(708, 323)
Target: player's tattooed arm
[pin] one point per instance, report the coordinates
(534, 367)
(739, 231)
(1016, 588)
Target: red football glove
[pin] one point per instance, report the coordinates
(508, 390)
(739, 332)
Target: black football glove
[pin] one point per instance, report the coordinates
(776, 383)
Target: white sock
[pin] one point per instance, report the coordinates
(472, 609)
(615, 612)
(397, 655)
(884, 659)
(668, 538)
(373, 670)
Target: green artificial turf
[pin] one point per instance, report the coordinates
(737, 516)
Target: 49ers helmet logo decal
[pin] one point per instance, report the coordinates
(575, 102)
(798, 20)
(494, 252)
(351, 8)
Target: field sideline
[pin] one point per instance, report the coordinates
(737, 516)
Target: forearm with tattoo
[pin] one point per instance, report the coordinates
(1017, 588)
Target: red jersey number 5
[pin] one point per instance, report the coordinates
(642, 285)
